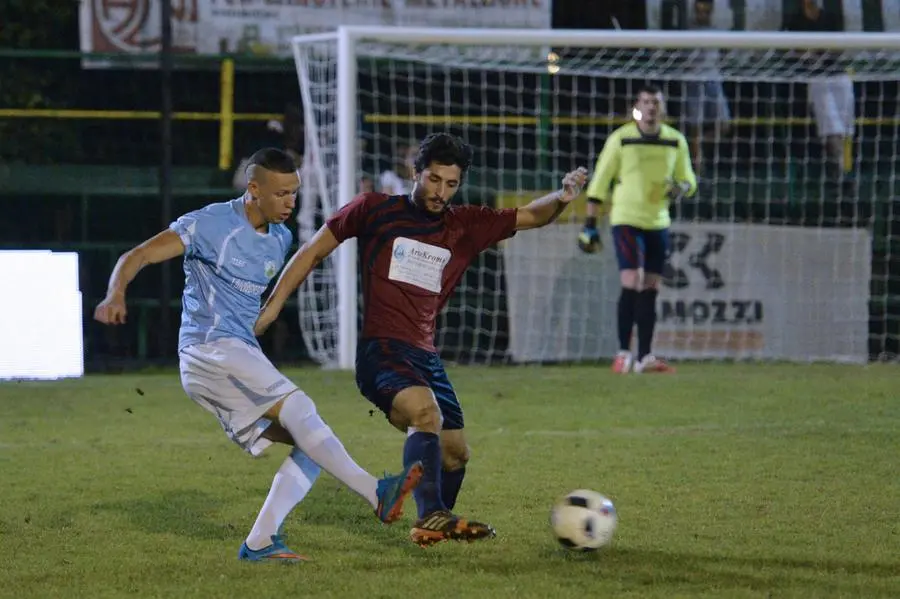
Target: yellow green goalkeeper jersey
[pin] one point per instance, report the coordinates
(634, 171)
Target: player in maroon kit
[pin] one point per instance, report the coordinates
(413, 251)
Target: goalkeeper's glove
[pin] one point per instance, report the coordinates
(677, 189)
(589, 238)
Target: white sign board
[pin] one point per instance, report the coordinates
(738, 291)
(40, 316)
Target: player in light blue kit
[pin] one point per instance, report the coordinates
(231, 252)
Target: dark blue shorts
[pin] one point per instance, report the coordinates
(384, 367)
(641, 248)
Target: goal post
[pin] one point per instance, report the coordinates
(787, 252)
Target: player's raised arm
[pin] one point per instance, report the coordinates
(297, 270)
(605, 173)
(547, 209)
(159, 248)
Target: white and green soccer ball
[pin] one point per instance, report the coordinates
(584, 520)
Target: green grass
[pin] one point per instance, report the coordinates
(730, 481)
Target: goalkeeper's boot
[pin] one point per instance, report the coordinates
(622, 363)
(393, 490)
(276, 552)
(652, 364)
(443, 525)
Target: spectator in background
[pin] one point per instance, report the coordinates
(707, 111)
(398, 179)
(830, 91)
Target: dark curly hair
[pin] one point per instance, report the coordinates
(446, 149)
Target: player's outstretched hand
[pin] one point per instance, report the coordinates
(111, 310)
(572, 184)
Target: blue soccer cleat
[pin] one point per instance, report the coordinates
(392, 490)
(276, 552)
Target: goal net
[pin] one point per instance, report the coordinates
(786, 251)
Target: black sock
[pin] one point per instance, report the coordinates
(426, 447)
(451, 481)
(645, 315)
(627, 312)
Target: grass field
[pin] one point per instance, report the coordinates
(730, 481)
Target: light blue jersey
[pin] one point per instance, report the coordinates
(227, 266)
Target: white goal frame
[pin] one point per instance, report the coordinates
(348, 39)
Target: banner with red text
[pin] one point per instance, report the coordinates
(135, 26)
(265, 27)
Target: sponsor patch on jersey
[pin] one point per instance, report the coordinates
(419, 264)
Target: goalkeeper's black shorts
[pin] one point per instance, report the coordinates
(641, 248)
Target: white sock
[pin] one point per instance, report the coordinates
(291, 484)
(316, 439)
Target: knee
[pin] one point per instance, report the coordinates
(455, 456)
(424, 416)
(630, 279)
(296, 406)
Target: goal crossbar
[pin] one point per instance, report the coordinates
(623, 38)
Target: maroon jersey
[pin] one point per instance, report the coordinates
(412, 261)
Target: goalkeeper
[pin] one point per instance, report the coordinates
(644, 166)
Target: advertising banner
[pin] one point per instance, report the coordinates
(266, 26)
(731, 291)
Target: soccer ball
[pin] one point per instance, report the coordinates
(583, 520)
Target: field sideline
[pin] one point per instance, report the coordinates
(730, 481)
